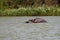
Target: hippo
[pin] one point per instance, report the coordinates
(36, 20)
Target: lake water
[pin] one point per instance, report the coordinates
(15, 28)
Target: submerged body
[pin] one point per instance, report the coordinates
(36, 20)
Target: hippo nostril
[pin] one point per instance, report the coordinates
(27, 22)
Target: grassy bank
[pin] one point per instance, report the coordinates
(36, 11)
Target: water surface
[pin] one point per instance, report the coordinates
(15, 28)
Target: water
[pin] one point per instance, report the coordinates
(14, 28)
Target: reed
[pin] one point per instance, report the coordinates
(29, 11)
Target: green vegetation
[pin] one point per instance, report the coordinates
(29, 8)
(25, 3)
(29, 11)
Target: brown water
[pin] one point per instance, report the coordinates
(14, 28)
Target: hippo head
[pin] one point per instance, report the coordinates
(36, 20)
